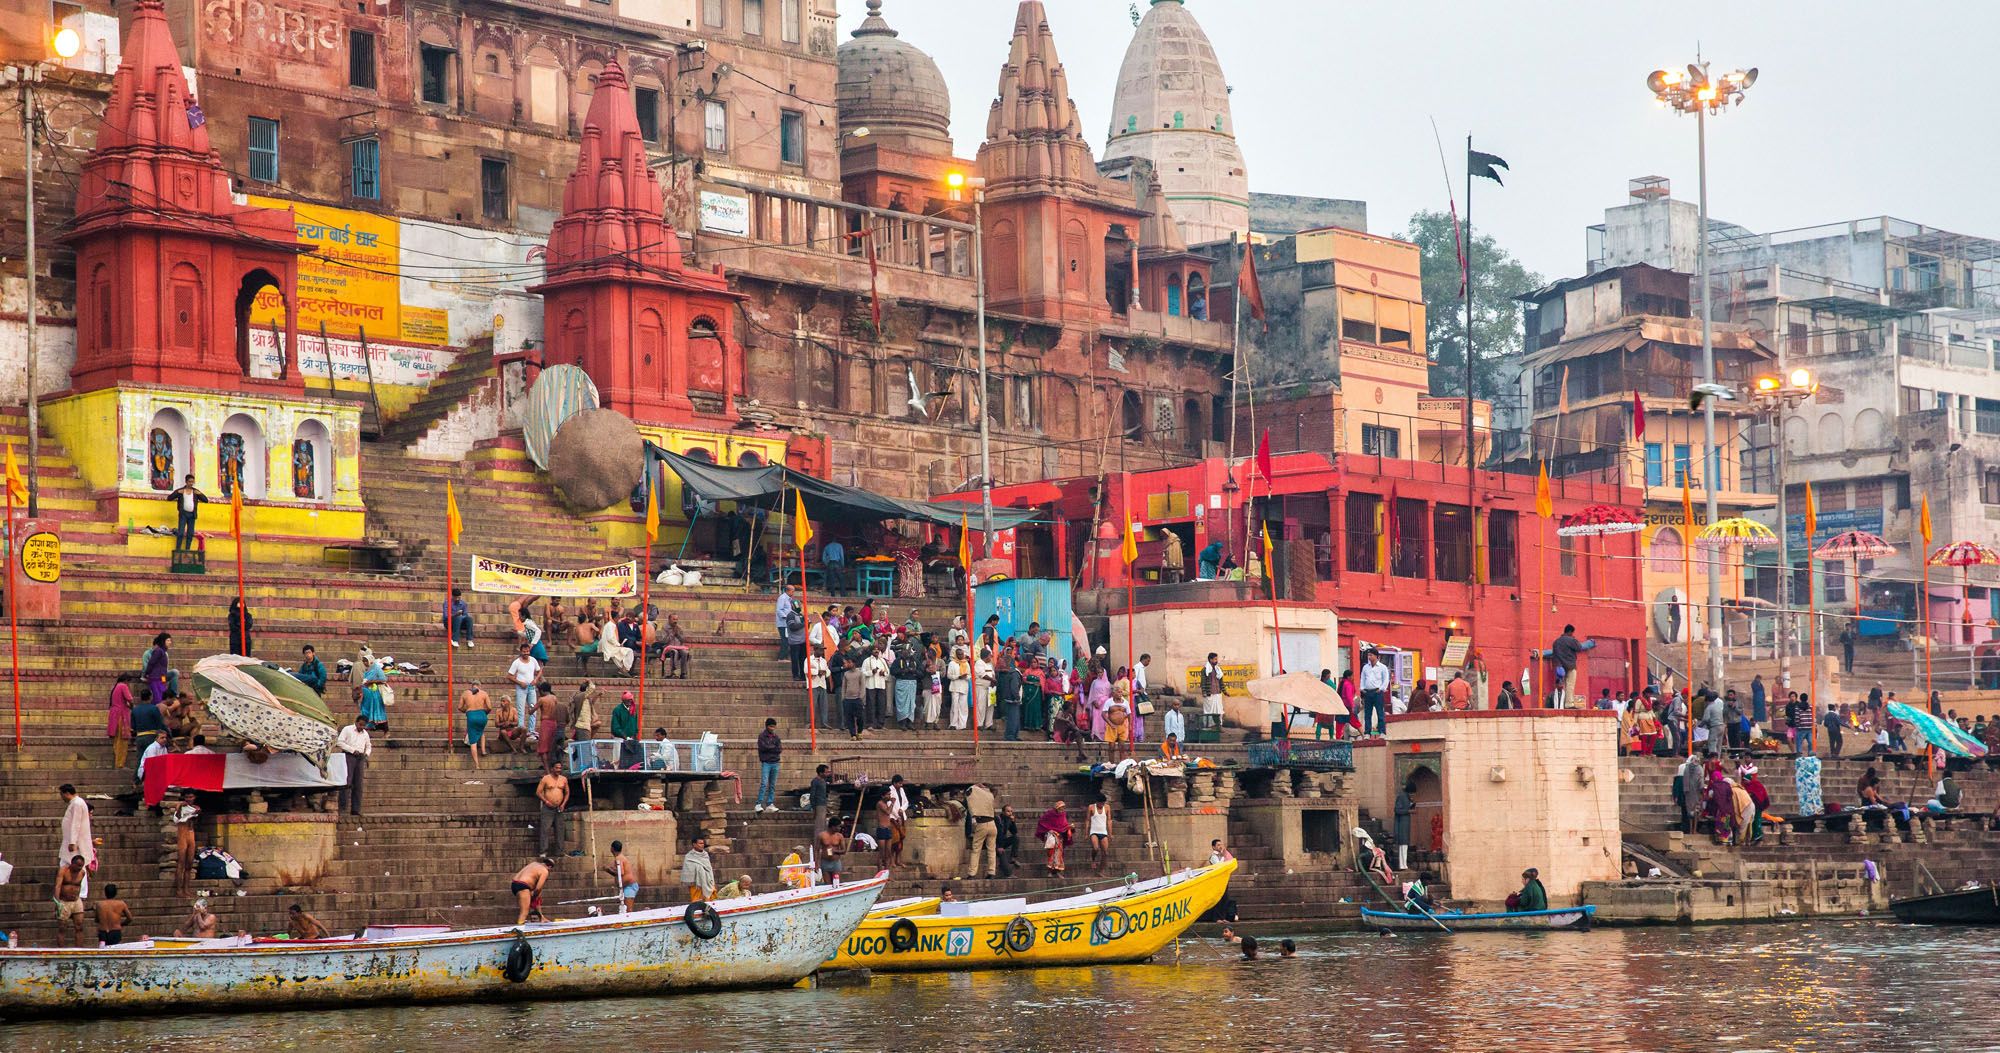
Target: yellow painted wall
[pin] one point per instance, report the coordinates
(624, 528)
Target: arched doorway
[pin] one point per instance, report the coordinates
(269, 368)
(1197, 297)
(1427, 822)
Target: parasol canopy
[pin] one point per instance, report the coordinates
(1735, 532)
(1301, 690)
(1854, 545)
(265, 705)
(1937, 731)
(1965, 554)
(1600, 520)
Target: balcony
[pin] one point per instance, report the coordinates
(1178, 328)
(815, 241)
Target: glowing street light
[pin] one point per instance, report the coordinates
(67, 43)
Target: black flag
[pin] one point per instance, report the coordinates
(1485, 166)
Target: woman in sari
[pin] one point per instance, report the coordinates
(1098, 698)
(372, 708)
(1053, 830)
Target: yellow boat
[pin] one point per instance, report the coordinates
(1123, 923)
(911, 907)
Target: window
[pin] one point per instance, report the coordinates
(1656, 467)
(263, 149)
(1989, 487)
(364, 169)
(435, 75)
(1566, 557)
(493, 188)
(1503, 538)
(1380, 441)
(1683, 461)
(1913, 400)
(360, 59)
(1132, 414)
(715, 125)
(753, 17)
(1364, 533)
(648, 102)
(792, 137)
(1867, 494)
(711, 13)
(788, 24)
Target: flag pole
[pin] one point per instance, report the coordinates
(801, 534)
(645, 621)
(450, 639)
(971, 627)
(13, 601)
(236, 527)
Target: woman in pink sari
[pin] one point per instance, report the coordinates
(1098, 697)
(1055, 834)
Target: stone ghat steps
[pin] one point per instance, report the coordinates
(1647, 801)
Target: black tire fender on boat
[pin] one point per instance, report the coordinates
(1111, 923)
(703, 920)
(1019, 935)
(902, 935)
(520, 960)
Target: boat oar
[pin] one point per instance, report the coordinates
(593, 899)
(1427, 914)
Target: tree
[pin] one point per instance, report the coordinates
(1497, 277)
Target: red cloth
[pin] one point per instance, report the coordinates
(190, 771)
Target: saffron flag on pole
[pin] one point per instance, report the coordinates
(1264, 456)
(802, 528)
(1924, 522)
(964, 542)
(454, 524)
(17, 487)
(1247, 287)
(1544, 502)
(236, 509)
(652, 511)
(1130, 550)
(1267, 551)
(1687, 512)
(1812, 514)
(1638, 415)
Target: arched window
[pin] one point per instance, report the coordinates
(1133, 412)
(250, 294)
(750, 459)
(1173, 294)
(1663, 554)
(688, 502)
(1832, 432)
(1197, 297)
(705, 357)
(167, 452)
(240, 458)
(312, 464)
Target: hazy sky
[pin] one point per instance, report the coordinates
(1861, 109)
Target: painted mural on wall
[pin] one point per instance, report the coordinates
(288, 452)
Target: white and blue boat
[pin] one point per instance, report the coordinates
(1511, 920)
(769, 940)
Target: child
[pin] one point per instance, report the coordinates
(626, 880)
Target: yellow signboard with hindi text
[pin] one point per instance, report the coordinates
(348, 282)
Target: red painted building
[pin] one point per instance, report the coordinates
(1388, 544)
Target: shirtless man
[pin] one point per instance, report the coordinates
(506, 725)
(303, 926)
(553, 793)
(527, 887)
(69, 902)
(184, 817)
(112, 916)
(200, 923)
(832, 846)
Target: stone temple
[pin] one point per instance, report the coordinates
(1172, 109)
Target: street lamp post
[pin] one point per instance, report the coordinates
(1693, 91)
(956, 181)
(1776, 396)
(63, 44)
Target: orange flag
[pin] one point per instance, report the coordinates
(653, 512)
(454, 524)
(1812, 514)
(964, 543)
(1130, 550)
(802, 528)
(1544, 503)
(236, 508)
(17, 487)
(1924, 523)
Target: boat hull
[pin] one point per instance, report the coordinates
(1526, 920)
(770, 940)
(1155, 918)
(1978, 906)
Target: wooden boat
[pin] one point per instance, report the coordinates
(1966, 906)
(758, 941)
(1123, 923)
(910, 906)
(1512, 920)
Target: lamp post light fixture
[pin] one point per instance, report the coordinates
(958, 183)
(1695, 91)
(1776, 395)
(64, 43)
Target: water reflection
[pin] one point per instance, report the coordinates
(1860, 985)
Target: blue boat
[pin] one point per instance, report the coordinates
(1512, 920)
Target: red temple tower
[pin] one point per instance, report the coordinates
(166, 264)
(655, 336)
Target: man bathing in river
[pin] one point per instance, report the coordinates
(527, 888)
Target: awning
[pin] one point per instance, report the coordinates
(769, 486)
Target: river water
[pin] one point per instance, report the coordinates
(1854, 985)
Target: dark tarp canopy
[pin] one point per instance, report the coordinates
(768, 486)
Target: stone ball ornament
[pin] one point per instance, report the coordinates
(596, 458)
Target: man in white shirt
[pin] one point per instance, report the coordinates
(1374, 692)
(1211, 691)
(982, 690)
(787, 603)
(155, 749)
(816, 678)
(525, 672)
(354, 741)
(875, 680)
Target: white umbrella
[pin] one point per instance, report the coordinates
(1301, 691)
